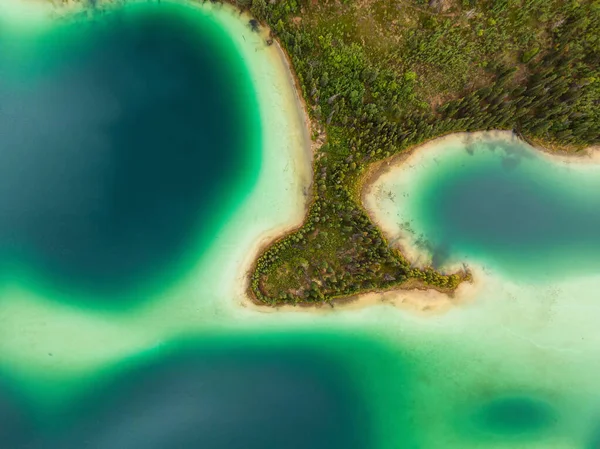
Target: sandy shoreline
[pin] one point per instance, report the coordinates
(302, 167)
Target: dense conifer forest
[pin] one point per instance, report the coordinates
(381, 76)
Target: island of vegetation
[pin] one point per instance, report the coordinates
(380, 77)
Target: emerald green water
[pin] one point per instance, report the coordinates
(144, 148)
(214, 393)
(118, 151)
(514, 416)
(501, 203)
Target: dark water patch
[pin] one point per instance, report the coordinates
(440, 254)
(594, 438)
(15, 422)
(236, 400)
(514, 416)
(527, 216)
(124, 159)
(510, 162)
(218, 395)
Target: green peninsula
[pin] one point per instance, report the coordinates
(380, 77)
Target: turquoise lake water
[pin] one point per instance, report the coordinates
(118, 153)
(512, 208)
(123, 192)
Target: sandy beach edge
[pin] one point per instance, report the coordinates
(378, 172)
(244, 295)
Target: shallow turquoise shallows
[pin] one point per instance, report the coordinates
(501, 203)
(126, 142)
